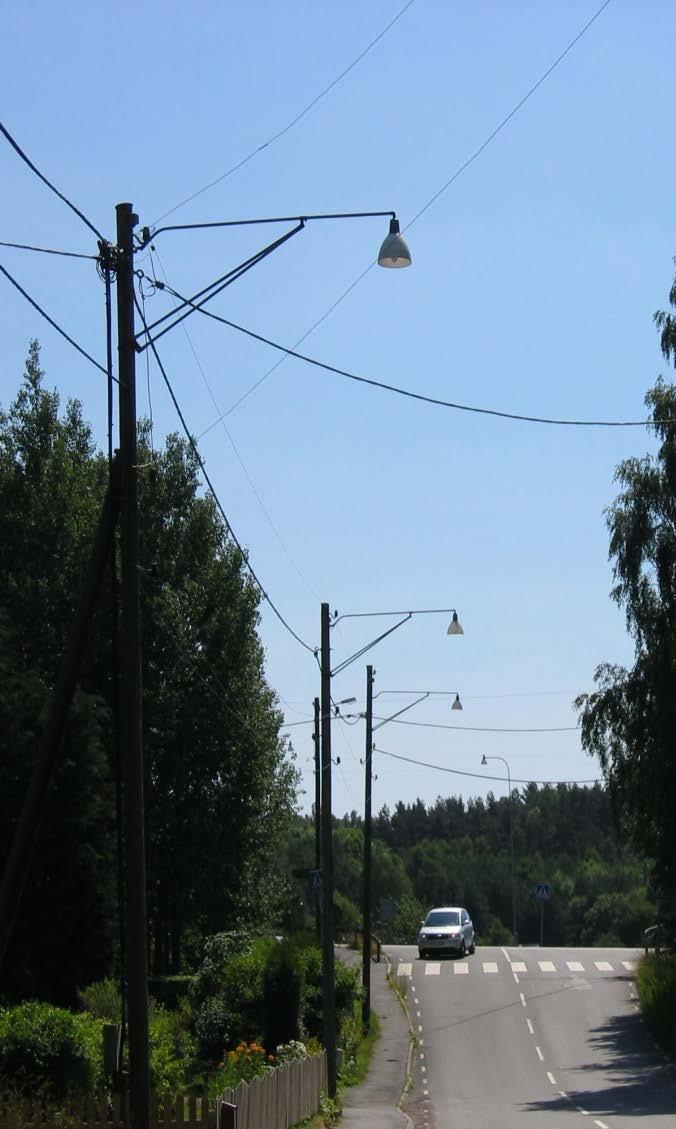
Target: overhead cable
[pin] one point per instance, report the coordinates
(407, 392)
(48, 251)
(280, 133)
(237, 454)
(17, 148)
(481, 729)
(458, 172)
(217, 500)
(54, 324)
(481, 775)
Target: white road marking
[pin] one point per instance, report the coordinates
(530, 1027)
(421, 1055)
(523, 999)
(547, 966)
(418, 1013)
(575, 966)
(404, 968)
(551, 1077)
(422, 1042)
(519, 966)
(424, 1069)
(540, 1054)
(419, 1027)
(601, 1124)
(516, 978)
(505, 953)
(630, 965)
(433, 968)
(584, 1112)
(490, 966)
(426, 1093)
(563, 1093)
(603, 965)
(460, 969)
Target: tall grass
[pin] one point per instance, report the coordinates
(656, 983)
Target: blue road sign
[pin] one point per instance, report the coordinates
(542, 891)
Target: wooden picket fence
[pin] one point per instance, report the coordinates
(281, 1098)
(278, 1100)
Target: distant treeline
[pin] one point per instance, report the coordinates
(458, 852)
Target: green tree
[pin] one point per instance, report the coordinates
(630, 719)
(50, 490)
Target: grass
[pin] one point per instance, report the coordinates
(656, 984)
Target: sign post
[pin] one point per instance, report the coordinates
(542, 892)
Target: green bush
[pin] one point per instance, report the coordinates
(282, 984)
(226, 994)
(347, 991)
(102, 999)
(172, 1049)
(656, 983)
(51, 1050)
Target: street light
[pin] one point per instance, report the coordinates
(120, 257)
(485, 760)
(328, 967)
(368, 777)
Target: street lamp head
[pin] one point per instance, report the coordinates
(394, 250)
(483, 759)
(457, 704)
(455, 626)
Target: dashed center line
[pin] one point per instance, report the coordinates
(551, 1077)
(540, 1054)
(523, 999)
(530, 1027)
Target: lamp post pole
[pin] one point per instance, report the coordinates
(366, 923)
(484, 760)
(368, 783)
(328, 958)
(131, 737)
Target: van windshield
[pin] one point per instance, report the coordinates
(442, 917)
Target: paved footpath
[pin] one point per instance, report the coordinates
(373, 1104)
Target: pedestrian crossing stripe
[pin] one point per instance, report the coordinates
(491, 968)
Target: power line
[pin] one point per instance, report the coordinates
(459, 171)
(217, 500)
(508, 117)
(17, 148)
(239, 458)
(48, 251)
(275, 137)
(480, 775)
(406, 392)
(480, 729)
(54, 324)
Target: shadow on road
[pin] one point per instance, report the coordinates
(636, 1080)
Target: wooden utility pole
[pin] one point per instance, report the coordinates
(328, 956)
(131, 738)
(366, 915)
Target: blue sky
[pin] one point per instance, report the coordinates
(534, 280)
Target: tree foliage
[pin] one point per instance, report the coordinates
(219, 781)
(629, 721)
(456, 852)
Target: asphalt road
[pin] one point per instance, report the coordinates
(547, 1038)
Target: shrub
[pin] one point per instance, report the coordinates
(227, 994)
(281, 996)
(347, 991)
(50, 1049)
(245, 1062)
(172, 1049)
(102, 999)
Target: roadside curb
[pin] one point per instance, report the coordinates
(408, 1080)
